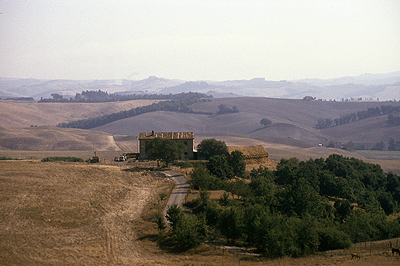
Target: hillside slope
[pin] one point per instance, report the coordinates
(366, 131)
(18, 115)
(51, 138)
(293, 121)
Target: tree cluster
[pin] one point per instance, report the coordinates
(221, 163)
(287, 212)
(393, 145)
(223, 109)
(265, 122)
(181, 106)
(211, 147)
(165, 150)
(93, 96)
(187, 230)
(391, 111)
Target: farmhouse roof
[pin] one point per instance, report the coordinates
(251, 152)
(166, 135)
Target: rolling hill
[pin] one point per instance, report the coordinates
(51, 138)
(293, 122)
(366, 86)
(19, 115)
(31, 126)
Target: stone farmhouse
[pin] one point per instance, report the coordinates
(186, 138)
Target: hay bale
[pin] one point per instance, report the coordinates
(253, 154)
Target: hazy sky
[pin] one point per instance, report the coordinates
(198, 40)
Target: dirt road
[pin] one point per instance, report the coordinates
(181, 189)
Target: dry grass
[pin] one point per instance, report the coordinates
(82, 214)
(71, 213)
(57, 139)
(18, 115)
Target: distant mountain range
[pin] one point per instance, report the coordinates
(381, 87)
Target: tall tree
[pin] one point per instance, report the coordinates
(165, 150)
(211, 147)
(218, 166)
(236, 162)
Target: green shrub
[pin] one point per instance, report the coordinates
(62, 159)
(201, 178)
(187, 230)
(331, 238)
(7, 158)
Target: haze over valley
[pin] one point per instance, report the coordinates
(384, 87)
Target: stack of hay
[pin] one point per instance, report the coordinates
(253, 154)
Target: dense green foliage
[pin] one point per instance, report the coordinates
(290, 211)
(62, 159)
(165, 150)
(391, 111)
(221, 163)
(236, 161)
(181, 106)
(187, 230)
(218, 166)
(210, 147)
(101, 96)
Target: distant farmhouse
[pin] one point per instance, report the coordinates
(186, 138)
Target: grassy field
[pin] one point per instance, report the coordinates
(59, 213)
(73, 213)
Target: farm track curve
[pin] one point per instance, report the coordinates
(179, 192)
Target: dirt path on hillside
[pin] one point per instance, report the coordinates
(179, 193)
